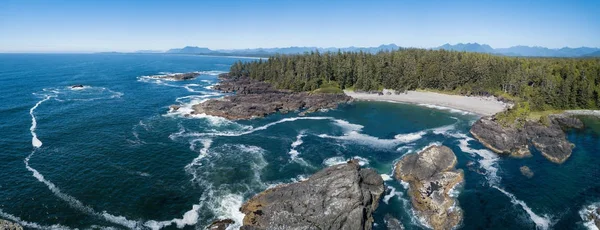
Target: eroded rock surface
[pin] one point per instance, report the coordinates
(549, 139)
(526, 171)
(7, 225)
(338, 197)
(258, 99)
(431, 175)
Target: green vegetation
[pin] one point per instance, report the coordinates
(329, 87)
(535, 84)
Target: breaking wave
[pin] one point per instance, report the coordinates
(586, 214)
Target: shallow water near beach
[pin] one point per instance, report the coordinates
(113, 155)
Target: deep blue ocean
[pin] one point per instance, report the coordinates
(112, 155)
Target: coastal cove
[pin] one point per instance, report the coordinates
(113, 154)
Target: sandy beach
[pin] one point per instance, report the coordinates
(484, 106)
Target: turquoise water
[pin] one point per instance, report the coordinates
(112, 155)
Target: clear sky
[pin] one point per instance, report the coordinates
(119, 25)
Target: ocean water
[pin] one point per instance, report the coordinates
(112, 155)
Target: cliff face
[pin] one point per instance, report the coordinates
(549, 139)
(338, 197)
(431, 175)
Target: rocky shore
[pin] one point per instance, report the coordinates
(549, 139)
(338, 197)
(7, 225)
(178, 76)
(431, 175)
(257, 99)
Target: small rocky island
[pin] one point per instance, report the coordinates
(7, 225)
(257, 99)
(549, 139)
(338, 197)
(431, 175)
(178, 76)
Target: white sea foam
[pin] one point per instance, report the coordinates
(341, 160)
(589, 211)
(452, 110)
(386, 177)
(410, 137)
(293, 152)
(35, 142)
(386, 198)
(542, 222)
(191, 167)
(347, 126)
(31, 224)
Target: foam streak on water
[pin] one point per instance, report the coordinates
(34, 140)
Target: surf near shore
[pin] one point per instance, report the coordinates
(484, 106)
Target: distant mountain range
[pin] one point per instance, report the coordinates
(525, 51)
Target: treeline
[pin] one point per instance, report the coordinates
(542, 83)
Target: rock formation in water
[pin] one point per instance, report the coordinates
(258, 99)
(220, 224)
(338, 197)
(178, 76)
(392, 223)
(549, 139)
(431, 175)
(526, 171)
(7, 225)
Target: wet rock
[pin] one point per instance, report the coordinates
(392, 223)
(258, 99)
(549, 139)
(220, 224)
(502, 140)
(178, 76)
(338, 197)
(174, 108)
(76, 86)
(526, 171)
(431, 175)
(7, 225)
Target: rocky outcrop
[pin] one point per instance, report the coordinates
(178, 76)
(258, 99)
(526, 171)
(220, 224)
(7, 225)
(338, 197)
(549, 139)
(392, 223)
(431, 175)
(503, 140)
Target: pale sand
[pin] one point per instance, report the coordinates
(485, 106)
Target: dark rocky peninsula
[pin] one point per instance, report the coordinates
(549, 138)
(257, 99)
(338, 197)
(431, 175)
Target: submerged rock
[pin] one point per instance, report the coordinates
(338, 197)
(174, 108)
(258, 99)
(549, 139)
(220, 224)
(392, 223)
(526, 171)
(7, 225)
(76, 86)
(431, 175)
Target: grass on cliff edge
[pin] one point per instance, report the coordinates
(330, 87)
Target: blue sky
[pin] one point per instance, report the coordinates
(114, 25)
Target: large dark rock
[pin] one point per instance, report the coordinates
(549, 139)
(503, 140)
(220, 224)
(7, 225)
(258, 99)
(338, 197)
(431, 175)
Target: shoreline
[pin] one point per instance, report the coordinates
(483, 106)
